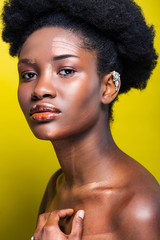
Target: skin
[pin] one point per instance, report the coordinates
(121, 199)
(48, 226)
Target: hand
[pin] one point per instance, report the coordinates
(48, 228)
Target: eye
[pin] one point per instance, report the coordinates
(29, 76)
(66, 72)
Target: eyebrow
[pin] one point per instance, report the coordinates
(56, 58)
(26, 60)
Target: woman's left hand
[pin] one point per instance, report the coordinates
(48, 227)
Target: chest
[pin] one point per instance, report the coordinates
(103, 208)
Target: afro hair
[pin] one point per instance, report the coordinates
(116, 29)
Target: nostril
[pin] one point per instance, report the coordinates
(35, 97)
(39, 97)
(47, 95)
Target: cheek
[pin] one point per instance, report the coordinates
(85, 100)
(89, 96)
(23, 98)
(90, 107)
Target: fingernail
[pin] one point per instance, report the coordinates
(32, 238)
(81, 214)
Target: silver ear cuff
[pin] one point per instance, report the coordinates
(116, 79)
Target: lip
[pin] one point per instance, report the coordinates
(44, 112)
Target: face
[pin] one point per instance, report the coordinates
(59, 88)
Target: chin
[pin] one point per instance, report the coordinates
(46, 133)
(55, 131)
(45, 130)
(41, 137)
(55, 134)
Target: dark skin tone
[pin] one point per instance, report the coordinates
(120, 198)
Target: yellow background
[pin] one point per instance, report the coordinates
(27, 163)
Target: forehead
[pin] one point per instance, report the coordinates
(52, 38)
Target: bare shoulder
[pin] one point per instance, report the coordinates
(141, 218)
(49, 192)
(142, 215)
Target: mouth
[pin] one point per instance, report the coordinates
(44, 112)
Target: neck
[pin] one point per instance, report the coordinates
(87, 157)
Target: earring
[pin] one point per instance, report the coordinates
(116, 79)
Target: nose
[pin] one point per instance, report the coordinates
(44, 88)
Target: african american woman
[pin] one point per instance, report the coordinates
(75, 58)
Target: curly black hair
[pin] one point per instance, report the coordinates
(116, 29)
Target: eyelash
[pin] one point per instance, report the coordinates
(29, 77)
(66, 74)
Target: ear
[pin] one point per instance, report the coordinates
(109, 91)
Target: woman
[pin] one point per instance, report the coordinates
(74, 60)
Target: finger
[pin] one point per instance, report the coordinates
(55, 216)
(77, 225)
(51, 228)
(41, 223)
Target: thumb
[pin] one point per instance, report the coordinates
(77, 225)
